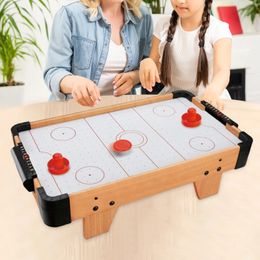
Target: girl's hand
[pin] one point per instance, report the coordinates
(83, 90)
(212, 97)
(148, 74)
(124, 82)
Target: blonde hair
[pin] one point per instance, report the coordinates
(133, 5)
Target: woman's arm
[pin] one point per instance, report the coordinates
(59, 54)
(57, 74)
(221, 72)
(83, 90)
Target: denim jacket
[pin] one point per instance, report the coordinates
(79, 44)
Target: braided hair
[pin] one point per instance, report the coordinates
(166, 66)
(202, 69)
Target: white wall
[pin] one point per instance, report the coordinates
(30, 72)
(246, 23)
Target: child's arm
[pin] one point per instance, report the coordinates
(149, 67)
(221, 72)
(154, 55)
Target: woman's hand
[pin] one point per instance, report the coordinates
(212, 97)
(148, 74)
(124, 82)
(83, 90)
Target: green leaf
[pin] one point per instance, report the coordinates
(17, 29)
(13, 22)
(251, 10)
(47, 7)
(31, 3)
(46, 29)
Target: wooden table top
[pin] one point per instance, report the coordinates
(171, 225)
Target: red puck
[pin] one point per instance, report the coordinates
(58, 164)
(122, 145)
(191, 118)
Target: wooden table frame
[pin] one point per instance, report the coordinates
(97, 206)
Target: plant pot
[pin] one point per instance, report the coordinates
(257, 23)
(12, 96)
(17, 83)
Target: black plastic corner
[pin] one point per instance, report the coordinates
(24, 166)
(183, 93)
(55, 211)
(16, 129)
(245, 147)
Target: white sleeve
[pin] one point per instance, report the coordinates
(221, 31)
(161, 26)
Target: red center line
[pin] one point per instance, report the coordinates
(138, 147)
(149, 157)
(105, 146)
(116, 121)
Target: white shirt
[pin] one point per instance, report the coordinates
(115, 63)
(185, 51)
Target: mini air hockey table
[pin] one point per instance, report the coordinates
(165, 153)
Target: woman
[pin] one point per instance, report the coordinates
(95, 49)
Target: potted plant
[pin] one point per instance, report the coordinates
(253, 11)
(17, 34)
(158, 9)
(157, 6)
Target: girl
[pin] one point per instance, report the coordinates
(192, 51)
(96, 47)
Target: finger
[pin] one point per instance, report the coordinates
(214, 103)
(98, 93)
(207, 99)
(123, 89)
(157, 77)
(86, 98)
(152, 78)
(220, 105)
(147, 82)
(117, 77)
(141, 77)
(74, 96)
(81, 101)
(200, 98)
(78, 97)
(120, 81)
(94, 95)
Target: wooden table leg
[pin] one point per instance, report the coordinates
(98, 223)
(207, 186)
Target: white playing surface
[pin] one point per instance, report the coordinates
(155, 130)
